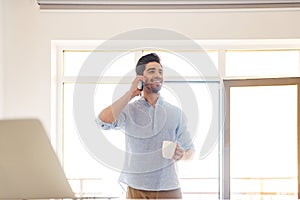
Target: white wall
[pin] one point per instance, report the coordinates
(28, 33)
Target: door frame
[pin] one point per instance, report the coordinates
(228, 83)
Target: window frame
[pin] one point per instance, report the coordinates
(229, 83)
(221, 46)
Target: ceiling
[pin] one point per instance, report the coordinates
(165, 4)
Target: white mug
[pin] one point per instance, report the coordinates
(168, 149)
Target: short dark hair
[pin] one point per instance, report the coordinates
(144, 60)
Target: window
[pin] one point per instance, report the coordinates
(262, 63)
(87, 176)
(263, 138)
(215, 173)
(276, 125)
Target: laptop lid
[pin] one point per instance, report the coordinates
(29, 167)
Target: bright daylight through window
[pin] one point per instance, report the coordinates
(202, 177)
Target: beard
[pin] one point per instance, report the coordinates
(156, 89)
(154, 86)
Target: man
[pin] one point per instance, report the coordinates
(148, 122)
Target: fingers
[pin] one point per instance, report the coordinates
(138, 78)
(134, 86)
(178, 154)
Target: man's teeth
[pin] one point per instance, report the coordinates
(154, 82)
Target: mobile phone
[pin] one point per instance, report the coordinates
(140, 85)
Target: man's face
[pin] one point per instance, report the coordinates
(154, 76)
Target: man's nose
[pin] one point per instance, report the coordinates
(158, 75)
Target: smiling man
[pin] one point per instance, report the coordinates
(148, 122)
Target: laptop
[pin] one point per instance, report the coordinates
(29, 167)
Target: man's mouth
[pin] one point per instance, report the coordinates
(156, 82)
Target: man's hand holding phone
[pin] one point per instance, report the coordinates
(140, 85)
(137, 86)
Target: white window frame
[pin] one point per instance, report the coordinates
(58, 46)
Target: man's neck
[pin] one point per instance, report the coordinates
(151, 98)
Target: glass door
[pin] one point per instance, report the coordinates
(261, 136)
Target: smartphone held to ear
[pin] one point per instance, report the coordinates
(140, 85)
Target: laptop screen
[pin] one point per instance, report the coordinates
(29, 167)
